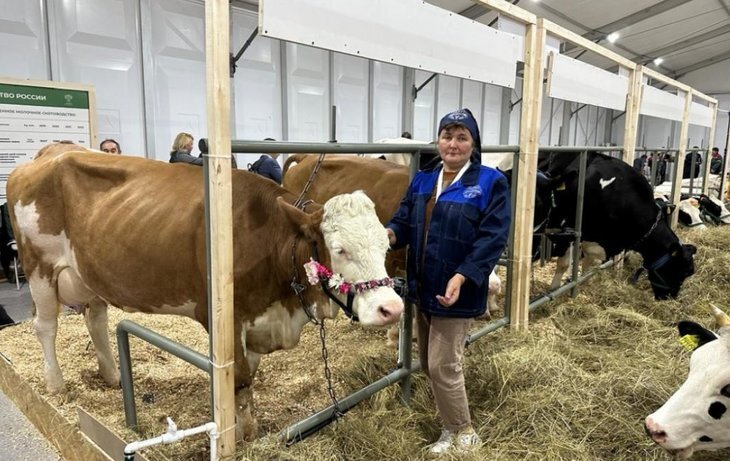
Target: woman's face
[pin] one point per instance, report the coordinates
(188, 146)
(455, 146)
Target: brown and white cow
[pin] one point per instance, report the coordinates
(383, 181)
(126, 231)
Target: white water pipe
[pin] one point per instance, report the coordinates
(173, 435)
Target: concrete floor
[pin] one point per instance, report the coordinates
(20, 439)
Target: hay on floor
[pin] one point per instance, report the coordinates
(577, 386)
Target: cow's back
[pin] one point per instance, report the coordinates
(132, 228)
(383, 181)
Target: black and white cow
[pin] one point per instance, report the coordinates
(713, 210)
(619, 213)
(695, 417)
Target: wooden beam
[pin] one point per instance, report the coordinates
(664, 79)
(576, 39)
(521, 248)
(631, 119)
(679, 159)
(220, 233)
(506, 8)
(708, 156)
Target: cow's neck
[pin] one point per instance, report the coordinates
(658, 244)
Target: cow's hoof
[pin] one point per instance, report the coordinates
(246, 425)
(55, 387)
(111, 377)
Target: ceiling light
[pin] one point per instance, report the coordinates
(658, 61)
(612, 37)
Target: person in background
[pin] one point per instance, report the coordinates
(455, 219)
(716, 161)
(110, 146)
(267, 166)
(692, 163)
(181, 150)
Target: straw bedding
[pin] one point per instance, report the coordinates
(577, 386)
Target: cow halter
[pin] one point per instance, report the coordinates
(318, 273)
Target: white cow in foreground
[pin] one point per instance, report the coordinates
(695, 418)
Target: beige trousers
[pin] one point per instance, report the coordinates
(441, 352)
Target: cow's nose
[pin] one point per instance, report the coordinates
(390, 311)
(655, 431)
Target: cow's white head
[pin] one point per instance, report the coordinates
(696, 418)
(357, 243)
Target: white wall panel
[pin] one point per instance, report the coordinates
(516, 114)
(551, 120)
(573, 80)
(24, 51)
(106, 54)
(256, 85)
(656, 133)
(471, 98)
(700, 114)
(178, 50)
(351, 85)
(448, 97)
(697, 136)
(308, 92)
(387, 100)
(491, 111)
(662, 104)
(424, 125)
(435, 39)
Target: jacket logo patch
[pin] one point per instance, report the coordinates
(472, 192)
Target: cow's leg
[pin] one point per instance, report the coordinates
(560, 268)
(593, 255)
(97, 323)
(246, 424)
(45, 324)
(247, 363)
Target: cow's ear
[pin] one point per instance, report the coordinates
(693, 335)
(307, 224)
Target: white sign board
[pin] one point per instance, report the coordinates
(408, 33)
(35, 114)
(701, 115)
(573, 80)
(519, 30)
(661, 104)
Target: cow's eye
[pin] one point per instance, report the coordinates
(341, 251)
(725, 391)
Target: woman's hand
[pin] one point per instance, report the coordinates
(453, 288)
(391, 236)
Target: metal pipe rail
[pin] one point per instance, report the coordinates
(127, 327)
(256, 147)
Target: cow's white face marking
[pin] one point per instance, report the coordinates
(692, 412)
(606, 182)
(357, 243)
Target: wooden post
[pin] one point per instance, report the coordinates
(708, 156)
(527, 173)
(631, 119)
(220, 232)
(679, 159)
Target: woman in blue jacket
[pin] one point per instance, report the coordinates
(455, 220)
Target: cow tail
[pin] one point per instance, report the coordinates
(291, 161)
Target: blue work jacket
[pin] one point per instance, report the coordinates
(467, 233)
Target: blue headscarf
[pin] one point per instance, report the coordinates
(465, 118)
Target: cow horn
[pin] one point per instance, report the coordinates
(722, 319)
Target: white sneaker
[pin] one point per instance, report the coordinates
(467, 440)
(464, 441)
(444, 444)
